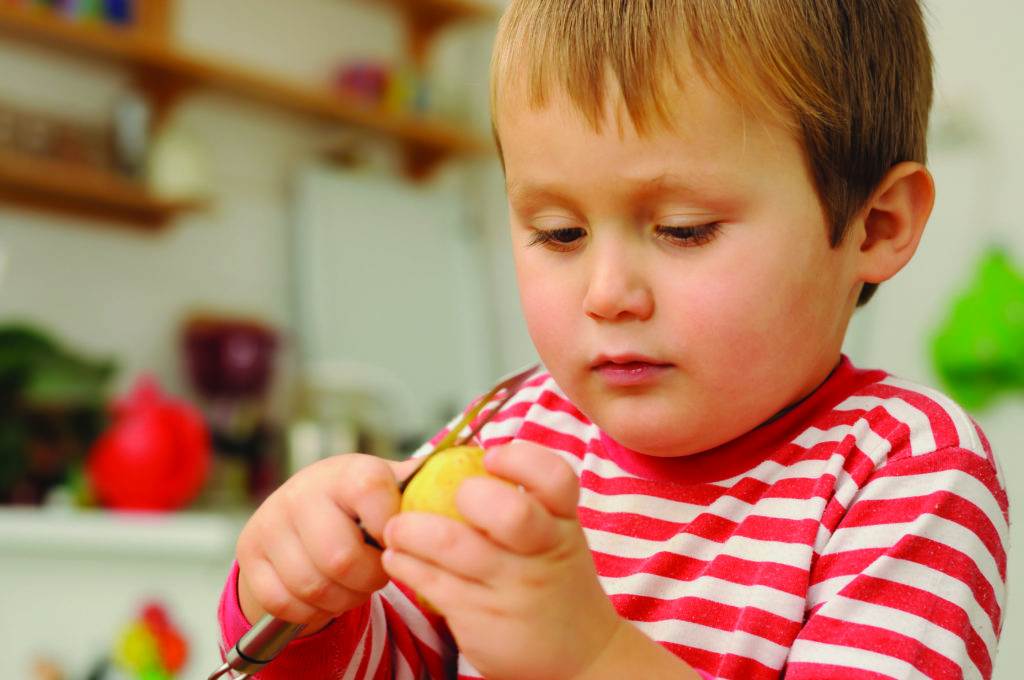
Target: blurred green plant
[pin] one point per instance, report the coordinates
(979, 349)
(52, 407)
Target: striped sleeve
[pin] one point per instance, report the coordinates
(912, 582)
(389, 637)
(314, 656)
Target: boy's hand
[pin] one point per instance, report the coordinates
(517, 584)
(301, 556)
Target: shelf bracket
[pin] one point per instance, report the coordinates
(162, 90)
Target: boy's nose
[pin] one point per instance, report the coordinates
(617, 289)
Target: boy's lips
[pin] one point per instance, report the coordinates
(628, 370)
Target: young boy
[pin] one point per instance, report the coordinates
(701, 193)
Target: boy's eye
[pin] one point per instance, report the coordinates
(560, 239)
(689, 236)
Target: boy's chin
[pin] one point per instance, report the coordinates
(663, 429)
(652, 442)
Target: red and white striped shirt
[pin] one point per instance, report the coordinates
(861, 535)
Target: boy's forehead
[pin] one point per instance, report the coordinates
(712, 149)
(674, 99)
(600, 109)
(696, 114)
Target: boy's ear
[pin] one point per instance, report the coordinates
(891, 224)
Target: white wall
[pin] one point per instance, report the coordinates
(123, 294)
(390, 296)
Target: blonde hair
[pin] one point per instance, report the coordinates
(853, 76)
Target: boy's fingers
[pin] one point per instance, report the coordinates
(303, 580)
(402, 470)
(272, 595)
(541, 472)
(444, 542)
(512, 519)
(368, 491)
(336, 546)
(438, 587)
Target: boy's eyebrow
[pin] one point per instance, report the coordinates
(532, 193)
(666, 182)
(516, 188)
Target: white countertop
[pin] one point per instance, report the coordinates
(188, 536)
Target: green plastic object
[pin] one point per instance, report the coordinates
(979, 349)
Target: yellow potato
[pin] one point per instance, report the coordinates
(434, 486)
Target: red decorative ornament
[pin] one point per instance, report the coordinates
(154, 456)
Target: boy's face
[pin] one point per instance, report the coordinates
(679, 286)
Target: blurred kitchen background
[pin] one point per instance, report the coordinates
(239, 235)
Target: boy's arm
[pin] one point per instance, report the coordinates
(387, 637)
(913, 580)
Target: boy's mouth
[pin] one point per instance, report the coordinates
(629, 370)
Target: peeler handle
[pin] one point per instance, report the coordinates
(258, 647)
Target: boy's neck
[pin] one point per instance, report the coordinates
(802, 399)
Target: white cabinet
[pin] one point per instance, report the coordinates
(72, 580)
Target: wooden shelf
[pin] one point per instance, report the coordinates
(50, 185)
(445, 11)
(424, 18)
(169, 70)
